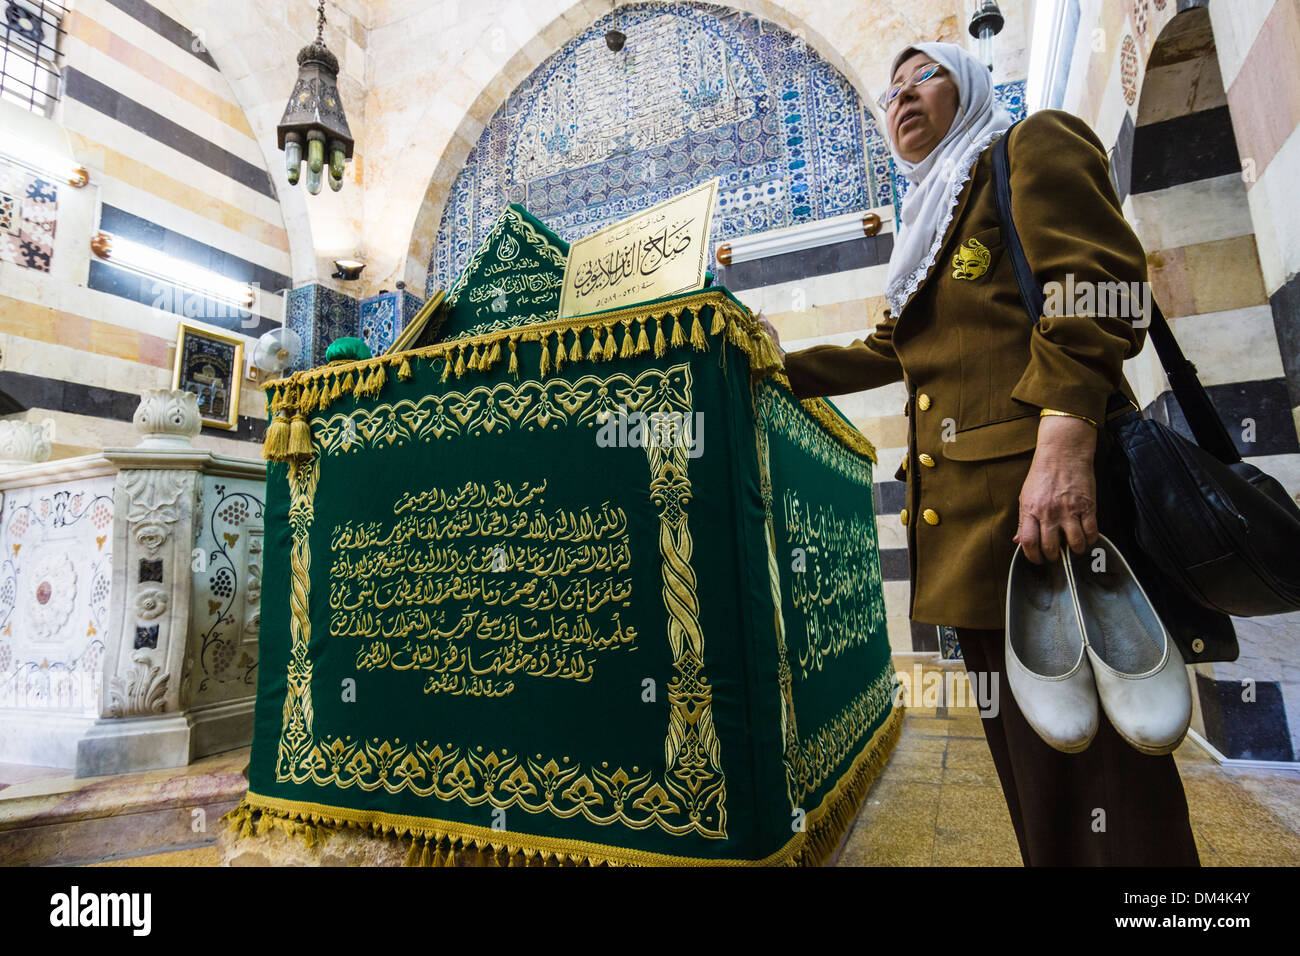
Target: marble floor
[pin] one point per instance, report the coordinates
(937, 803)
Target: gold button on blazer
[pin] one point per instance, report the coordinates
(981, 372)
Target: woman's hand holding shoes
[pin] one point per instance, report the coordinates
(1060, 492)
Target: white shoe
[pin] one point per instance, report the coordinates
(1046, 663)
(1141, 679)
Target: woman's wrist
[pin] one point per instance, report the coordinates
(1054, 411)
(1064, 435)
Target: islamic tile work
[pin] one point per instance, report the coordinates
(300, 317)
(336, 316)
(380, 320)
(320, 315)
(56, 569)
(28, 213)
(411, 305)
(698, 91)
(1128, 69)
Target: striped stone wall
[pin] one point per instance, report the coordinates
(173, 165)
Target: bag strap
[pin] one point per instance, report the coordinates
(1206, 425)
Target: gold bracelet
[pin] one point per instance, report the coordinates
(1053, 411)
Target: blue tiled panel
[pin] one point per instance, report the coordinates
(380, 320)
(411, 305)
(337, 315)
(300, 317)
(698, 91)
(320, 315)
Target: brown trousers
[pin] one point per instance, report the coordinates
(1110, 805)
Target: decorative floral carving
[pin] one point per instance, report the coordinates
(151, 602)
(167, 417)
(151, 536)
(139, 692)
(52, 594)
(154, 495)
(23, 443)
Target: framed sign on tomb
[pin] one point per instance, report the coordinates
(659, 251)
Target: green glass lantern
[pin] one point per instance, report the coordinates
(314, 126)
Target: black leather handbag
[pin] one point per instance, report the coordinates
(1221, 533)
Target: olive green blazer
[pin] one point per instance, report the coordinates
(977, 372)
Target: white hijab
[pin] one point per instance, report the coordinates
(938, 179)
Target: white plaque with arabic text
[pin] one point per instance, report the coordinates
(659, 251)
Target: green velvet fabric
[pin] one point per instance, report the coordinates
(348, 348)
(507, 616)
(513, 278)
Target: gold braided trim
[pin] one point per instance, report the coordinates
(838, 809)
(435, 842)
(845, 434)
(841, 431)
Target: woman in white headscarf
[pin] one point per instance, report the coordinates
(1005, 436)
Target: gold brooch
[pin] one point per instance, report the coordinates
(971, 261)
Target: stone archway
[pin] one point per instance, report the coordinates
(1191, 211)
(228, 34)
(591, 136)
(885, 26)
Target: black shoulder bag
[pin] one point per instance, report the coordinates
(1222, 532)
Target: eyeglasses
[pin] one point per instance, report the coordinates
(919, 77)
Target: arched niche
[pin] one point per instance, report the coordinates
(698, 91)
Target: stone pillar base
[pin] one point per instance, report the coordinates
(41, 738)
(131, 744)
(222, 727)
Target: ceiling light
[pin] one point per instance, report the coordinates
(347, 269)
(155, 264)
(45, 163)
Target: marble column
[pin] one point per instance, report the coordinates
(143, 724)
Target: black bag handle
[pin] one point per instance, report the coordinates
(1201, 415)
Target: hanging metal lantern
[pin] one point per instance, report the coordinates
(986, 23)
(314, 126)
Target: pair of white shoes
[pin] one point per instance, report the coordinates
(1081, 633)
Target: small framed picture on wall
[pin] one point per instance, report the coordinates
(211, 365)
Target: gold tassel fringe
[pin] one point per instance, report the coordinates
(698, 341)
(275, 446)
(431, 845)
(299, 438)
(314, 390)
